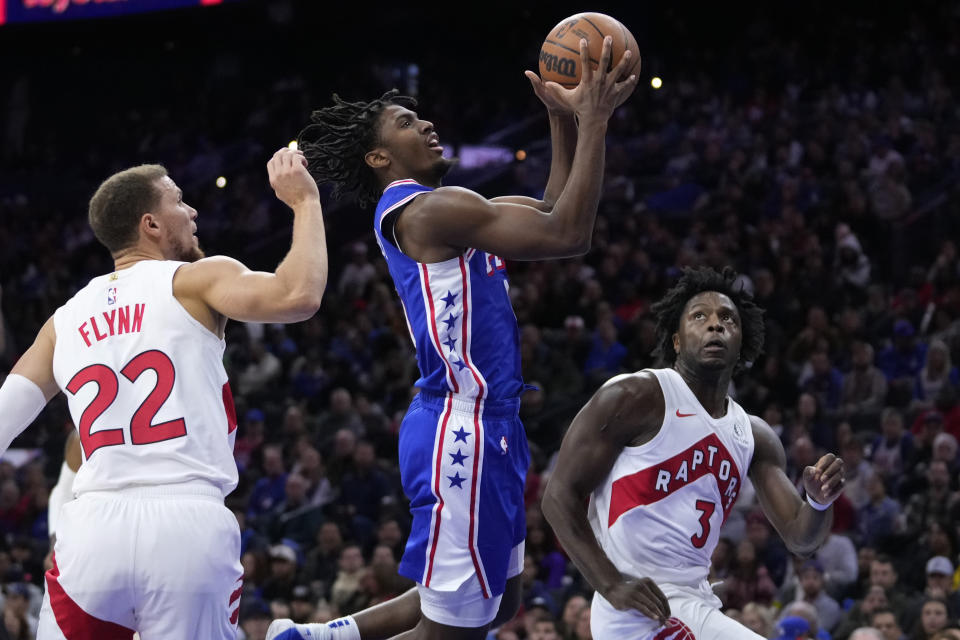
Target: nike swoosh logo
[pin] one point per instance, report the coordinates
(684, 415)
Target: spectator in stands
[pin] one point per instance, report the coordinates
(933, 618)
(901, 362)
(864, 388)
(749, 581)
(892, 449)
(885, 621)
(937, 371)
(879, 517)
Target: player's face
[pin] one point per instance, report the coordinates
(178, 223)
(709, 334)
(412, 146)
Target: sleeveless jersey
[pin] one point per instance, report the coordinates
(458, 312)
(145, 384)
(659, 511)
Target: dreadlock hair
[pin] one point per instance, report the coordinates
(669, 310)
(337, 139)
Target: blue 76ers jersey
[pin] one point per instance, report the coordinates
(458, 312)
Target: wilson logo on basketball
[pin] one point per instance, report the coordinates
(563, 66)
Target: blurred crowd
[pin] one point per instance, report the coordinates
(821, 165)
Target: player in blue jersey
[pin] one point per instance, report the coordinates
(463, 451)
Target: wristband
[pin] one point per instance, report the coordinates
(816, 505)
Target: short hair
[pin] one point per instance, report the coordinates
(669, 310)
(883, 611)
(337, 139)
(120, 201)
(883, 558)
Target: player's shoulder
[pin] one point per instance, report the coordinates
(766, 443)
(205, 268)
(637, 391)
(443, 200)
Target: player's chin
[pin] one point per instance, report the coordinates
(715, 363)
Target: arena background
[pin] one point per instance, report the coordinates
(775, 124)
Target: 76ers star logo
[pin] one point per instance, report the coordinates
(675, 630)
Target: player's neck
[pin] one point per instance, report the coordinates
(129, 257)
(709, 386)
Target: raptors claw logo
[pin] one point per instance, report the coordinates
(675, 629)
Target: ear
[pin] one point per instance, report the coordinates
(676, 343)
(150, 226)
(377, 158)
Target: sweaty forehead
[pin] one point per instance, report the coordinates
(710, 300)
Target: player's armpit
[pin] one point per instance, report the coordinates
(457, 217)
(231, 289)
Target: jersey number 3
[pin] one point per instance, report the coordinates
(706, 509)
(142, 429)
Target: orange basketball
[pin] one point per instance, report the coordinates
(560, 53)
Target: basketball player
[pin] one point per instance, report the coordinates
(463, 451)
(147, 545)
(662, 454)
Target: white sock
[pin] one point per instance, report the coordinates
(344, 628)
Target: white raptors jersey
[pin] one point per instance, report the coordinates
(658, 514)
(145, 384)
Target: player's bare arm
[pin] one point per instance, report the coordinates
(28, 388)
(563, 143)
(626, 411)
(802, 527)
(438, 225)
(223, 286)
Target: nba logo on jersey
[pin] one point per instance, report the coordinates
(112, 295)
(739, 434)
(503, 445)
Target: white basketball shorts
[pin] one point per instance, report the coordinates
(162, 561)
(695, 615)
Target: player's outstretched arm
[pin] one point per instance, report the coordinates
(29, 386)
(621, 410)
(563, 143)
(457, 218)
(291, 293)
(803, 525)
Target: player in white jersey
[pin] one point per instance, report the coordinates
(661, 455)
(147, 545)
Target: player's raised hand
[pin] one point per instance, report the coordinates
(598, 92)
(290, 179)
(824, 480)
(642, 595)
(554, 104)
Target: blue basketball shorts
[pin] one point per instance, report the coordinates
(463, 465)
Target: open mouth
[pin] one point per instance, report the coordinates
(715, 344)
(433, 143)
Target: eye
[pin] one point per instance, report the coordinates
(404, 123)
(699, 314)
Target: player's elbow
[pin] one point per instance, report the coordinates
(304, 306)
(552, 504)
(802, 548)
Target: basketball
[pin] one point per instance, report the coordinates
(560, 53)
